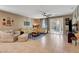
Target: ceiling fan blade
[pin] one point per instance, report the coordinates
(45, 14)
(49, 14)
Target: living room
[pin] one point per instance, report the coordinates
(40, 28)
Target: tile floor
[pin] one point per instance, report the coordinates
(49, 43)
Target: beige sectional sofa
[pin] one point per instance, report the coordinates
(7, 37)
(10, 35)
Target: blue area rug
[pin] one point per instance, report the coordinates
(37, 37)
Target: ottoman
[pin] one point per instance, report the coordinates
(23, 37)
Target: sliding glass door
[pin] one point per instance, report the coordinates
(56, 25)
(44, 25)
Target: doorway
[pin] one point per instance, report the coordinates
(56, 25)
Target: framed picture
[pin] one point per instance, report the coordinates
(4, 19)
(26, 23)
(8, 22)
(4, 23)
(67, 21)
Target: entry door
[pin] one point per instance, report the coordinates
(56, 25)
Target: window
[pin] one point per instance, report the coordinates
(26, 23)
(44, 23)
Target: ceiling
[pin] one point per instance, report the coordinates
(33, 11)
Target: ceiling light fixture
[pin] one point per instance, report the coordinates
(45, 14)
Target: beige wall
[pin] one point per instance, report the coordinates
(18, 20)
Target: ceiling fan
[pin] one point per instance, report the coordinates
(45, 14)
